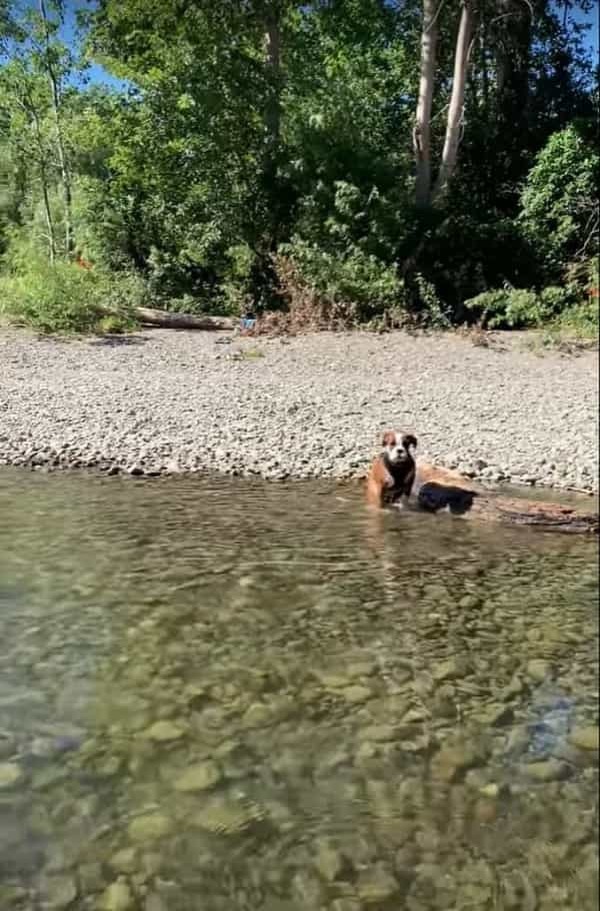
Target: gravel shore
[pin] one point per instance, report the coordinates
(312, 406)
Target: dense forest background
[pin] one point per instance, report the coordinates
(349, 161)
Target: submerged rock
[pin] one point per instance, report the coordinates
(149, 827)
(227, 816)
(376, 885)
(455, 758)
(117, 897)
(547, 770)
(199, 777)
(124, 861)
(60, 892)
(538, 670)
(10, 774)
(164, 731)
(356, 693)
(585, 738)
(329, 861)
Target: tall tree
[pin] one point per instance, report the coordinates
(457, 101)
(51, 61)
(422, 130)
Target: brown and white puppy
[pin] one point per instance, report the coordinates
(392, 473)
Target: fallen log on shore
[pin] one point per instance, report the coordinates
(438, 489)
(165, 320)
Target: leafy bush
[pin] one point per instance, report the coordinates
(64, 299)
(554, 299)
(581, 319)
(517, 308)
(510, 308)
(353, 287)
(433, 312)
(559, 202)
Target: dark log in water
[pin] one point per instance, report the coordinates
(438, 489)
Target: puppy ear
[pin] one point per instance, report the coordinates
(409, 440)
(389, 438)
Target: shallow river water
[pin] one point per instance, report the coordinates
(220, 695)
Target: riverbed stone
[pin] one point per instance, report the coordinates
(538, 669)
(10, 774)
(149, 827)
(379, 733)
(91, 877)
(257, 715)
(117, 897)
(345, 904)
(585, 738)
(547, 770)
(124, 861)
(453, 759)
(376, 885)
(356, 694)
(495, 715)
(329, 861)
(308, 889)
(164, 731)
(155, 902)
(199, 777)
(226, 816)
(60, 892)
(450, 669)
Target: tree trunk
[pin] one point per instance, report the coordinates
(273, 107)
(166, 320)
(457, 99)
(485, 83)
(60, 146)
(439, 490)
(29, 106)
(422, 130)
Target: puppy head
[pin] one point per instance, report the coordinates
(398, 447)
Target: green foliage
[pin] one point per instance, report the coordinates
(555, 299)
(506, 308)
(65, 299)
(559, 202)
(581, 319)
(517, 308)
(356, 284)
(221, 178)
(433, 312)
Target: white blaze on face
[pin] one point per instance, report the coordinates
(394, 449)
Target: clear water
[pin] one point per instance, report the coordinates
(224, 695)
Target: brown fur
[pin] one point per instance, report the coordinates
(387, 483)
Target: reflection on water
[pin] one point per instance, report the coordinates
(219, 695)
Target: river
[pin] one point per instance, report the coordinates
(230, 696)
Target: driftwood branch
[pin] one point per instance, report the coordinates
(440, 490)
(183, 320)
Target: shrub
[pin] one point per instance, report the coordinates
(516, 308)
(554, 299)
(64, 299)
(510, 308)
(433, 313)
(347, 288)
(559, 201)
(581, 319)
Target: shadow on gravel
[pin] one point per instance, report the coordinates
(118, 341)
